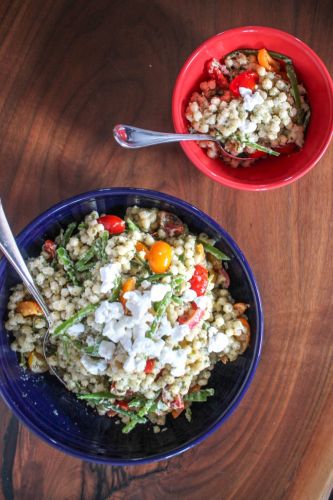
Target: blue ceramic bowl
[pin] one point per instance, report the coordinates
(55, 415)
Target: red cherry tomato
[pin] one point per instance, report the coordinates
(112, 223)
(214, 70)
(256, 154)
(50, 248)
(199, 280)
(287, 149)
(247, 79)
(191, 317)
(150, 364)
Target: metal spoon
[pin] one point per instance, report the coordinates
(133, 138)
(11, 251)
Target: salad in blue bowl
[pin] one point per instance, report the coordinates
(156, 326)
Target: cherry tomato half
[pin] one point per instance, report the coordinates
(256, 154)
(191, 317)
(150, 365)
(199, 280)
(50, 248)
(214, 70)
(287, 149)
(112, 223)
(247, 79)
(159, 257)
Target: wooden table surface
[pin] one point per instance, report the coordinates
(70, 70)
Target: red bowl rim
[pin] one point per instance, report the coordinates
(243, 185)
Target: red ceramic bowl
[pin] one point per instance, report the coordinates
(268, 173)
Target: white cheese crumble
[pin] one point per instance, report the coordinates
(250, 101)
(75, 330)
(93, 365)
(217, 341)
(109, 274)
(106, 349)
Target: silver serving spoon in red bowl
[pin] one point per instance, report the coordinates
(131, 137)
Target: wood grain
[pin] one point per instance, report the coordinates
(70, 70)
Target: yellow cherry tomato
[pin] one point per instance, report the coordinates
(159, 257)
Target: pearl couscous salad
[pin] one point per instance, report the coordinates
(141, 314)
(253, 104)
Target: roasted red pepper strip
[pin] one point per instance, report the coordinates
(247, 79)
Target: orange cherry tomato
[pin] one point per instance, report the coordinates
(141, 247)
(159, 257)
(267, 61)
(128, 286)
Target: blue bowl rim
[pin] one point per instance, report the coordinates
(254, 363)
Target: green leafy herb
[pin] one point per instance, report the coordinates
(68, 233)
(100, 246)
(76, 318)
(259, 147)
(82, 225)
(161, 308)
(131, 226)
(66, 261)
(97, 397)
(200, 396)
(214, 251)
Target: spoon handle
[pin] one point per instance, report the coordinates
(10, 250)
(134, 137)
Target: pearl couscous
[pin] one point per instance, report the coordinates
(141, 314)
(253, 104)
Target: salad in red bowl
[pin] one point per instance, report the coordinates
(251, 100)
